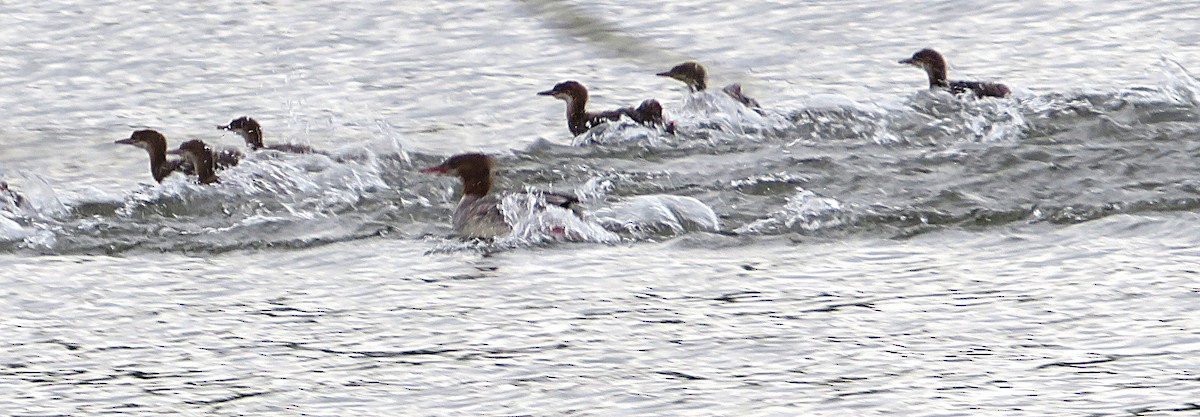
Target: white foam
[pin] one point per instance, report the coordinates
(804, 210)
(659, 214)
(533, 221)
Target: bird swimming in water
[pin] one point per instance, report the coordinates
(156, 145)
(252, 133)
(201, 157)
(935, 67)
(579, 120)
(696, 78)
(478, 214)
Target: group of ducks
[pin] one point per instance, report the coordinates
(579, 120)
(649, 113)
(197, 158)
(479, 213)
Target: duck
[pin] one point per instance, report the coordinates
(16, 199)
(156, 145)
(252, 133)
(579, 120)
(201, 158)
(935, 67)
(478, 214)
(694, 75)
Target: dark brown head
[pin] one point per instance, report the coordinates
(156, 145)
(569, 91)
(650, 112)
(933, 64)
(248, 129)
(147, 139)
(201, 157)
(691, 73)
(191, 148)
(475, 169)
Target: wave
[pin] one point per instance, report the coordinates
(898, 166)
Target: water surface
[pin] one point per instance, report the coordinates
(882, 249)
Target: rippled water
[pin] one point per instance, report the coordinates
(880, 249)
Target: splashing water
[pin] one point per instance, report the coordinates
(804, 211)
(534, 221)
(659, 215)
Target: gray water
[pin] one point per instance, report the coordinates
(882, 249)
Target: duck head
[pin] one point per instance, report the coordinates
(690, 73)
(475, 169)
(248, 129)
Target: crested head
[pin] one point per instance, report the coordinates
(193, 147)
(244, 123)
(201, 157)
(690, 73)
(933, 64)
(156, 145)
(462, 164)
(926, 58)
(569, 91)
(247, 128)
(147, 139)
(475, 169)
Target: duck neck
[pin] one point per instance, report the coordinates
(937, 76)
(698, 85)
(476, 182)
(205, 169)
(159, 168)
(577, 118)
(254, 138)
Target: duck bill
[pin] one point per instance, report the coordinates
(175, 152)
(666, 74)
(126, 141)
(907, 61)
(440, 169)
(546, 93)
(224, 127)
